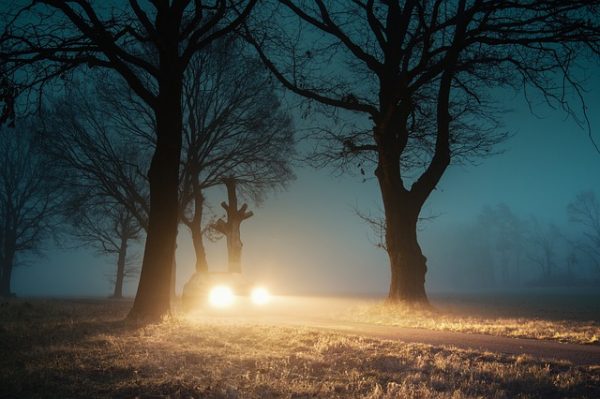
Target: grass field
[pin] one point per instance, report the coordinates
(83, 349)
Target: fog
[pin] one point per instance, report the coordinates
(309, 239)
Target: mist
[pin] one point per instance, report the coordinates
(309, 239)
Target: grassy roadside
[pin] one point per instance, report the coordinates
(62, 349)
(573, 331)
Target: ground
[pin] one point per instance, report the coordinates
(83, 349)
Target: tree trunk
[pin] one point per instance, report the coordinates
(197, 236)
(231, 227)
(407, 263)
(118, 292)
(234, 220)
(234, 248)
(152, 300)
(198, 241)
(7, 267)
(173, 282)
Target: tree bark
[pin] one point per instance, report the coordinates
(173, 281)
(231, 228)
(196, 230)
(407, 263)
(234, 248)
(152, 300)
(118, 292)
(234, 220)
(198, 241)
(7, 268)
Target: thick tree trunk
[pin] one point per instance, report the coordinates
(173, 284)
(5, 278)
(118, 292)
(152, 300)
(407, 263)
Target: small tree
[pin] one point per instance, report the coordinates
(29, 198)
(110, 229)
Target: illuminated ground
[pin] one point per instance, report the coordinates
(82, 349)
(578, 321)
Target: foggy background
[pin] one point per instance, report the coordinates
(309, 239)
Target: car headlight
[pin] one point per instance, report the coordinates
(260, 296)
(221, 296)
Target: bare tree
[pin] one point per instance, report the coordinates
(47, 39)
(29, 198)
(94, 158)
(100, 167)
(543, 251)
(235, 131)
(410, 83)
(230, 227)
(110, 229)
(506, 233)
(585, 211)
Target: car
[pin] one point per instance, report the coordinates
(221, 290)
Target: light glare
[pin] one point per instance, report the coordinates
(260, 296)
(221, 296)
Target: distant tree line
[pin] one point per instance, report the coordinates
(500, 249)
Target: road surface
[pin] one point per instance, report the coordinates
(318, 316)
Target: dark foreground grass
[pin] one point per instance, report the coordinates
(74, 349)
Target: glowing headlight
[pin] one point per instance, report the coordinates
(260, 296)
(221, 296)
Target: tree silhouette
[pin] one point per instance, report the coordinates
(234, 127)
(585, 211)
(110, 229)
(230, 227)
(412, 81)
(95, 159)
(99, 168)
(544, 249)
(506, 232)
(47, 39)
(29, 198)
